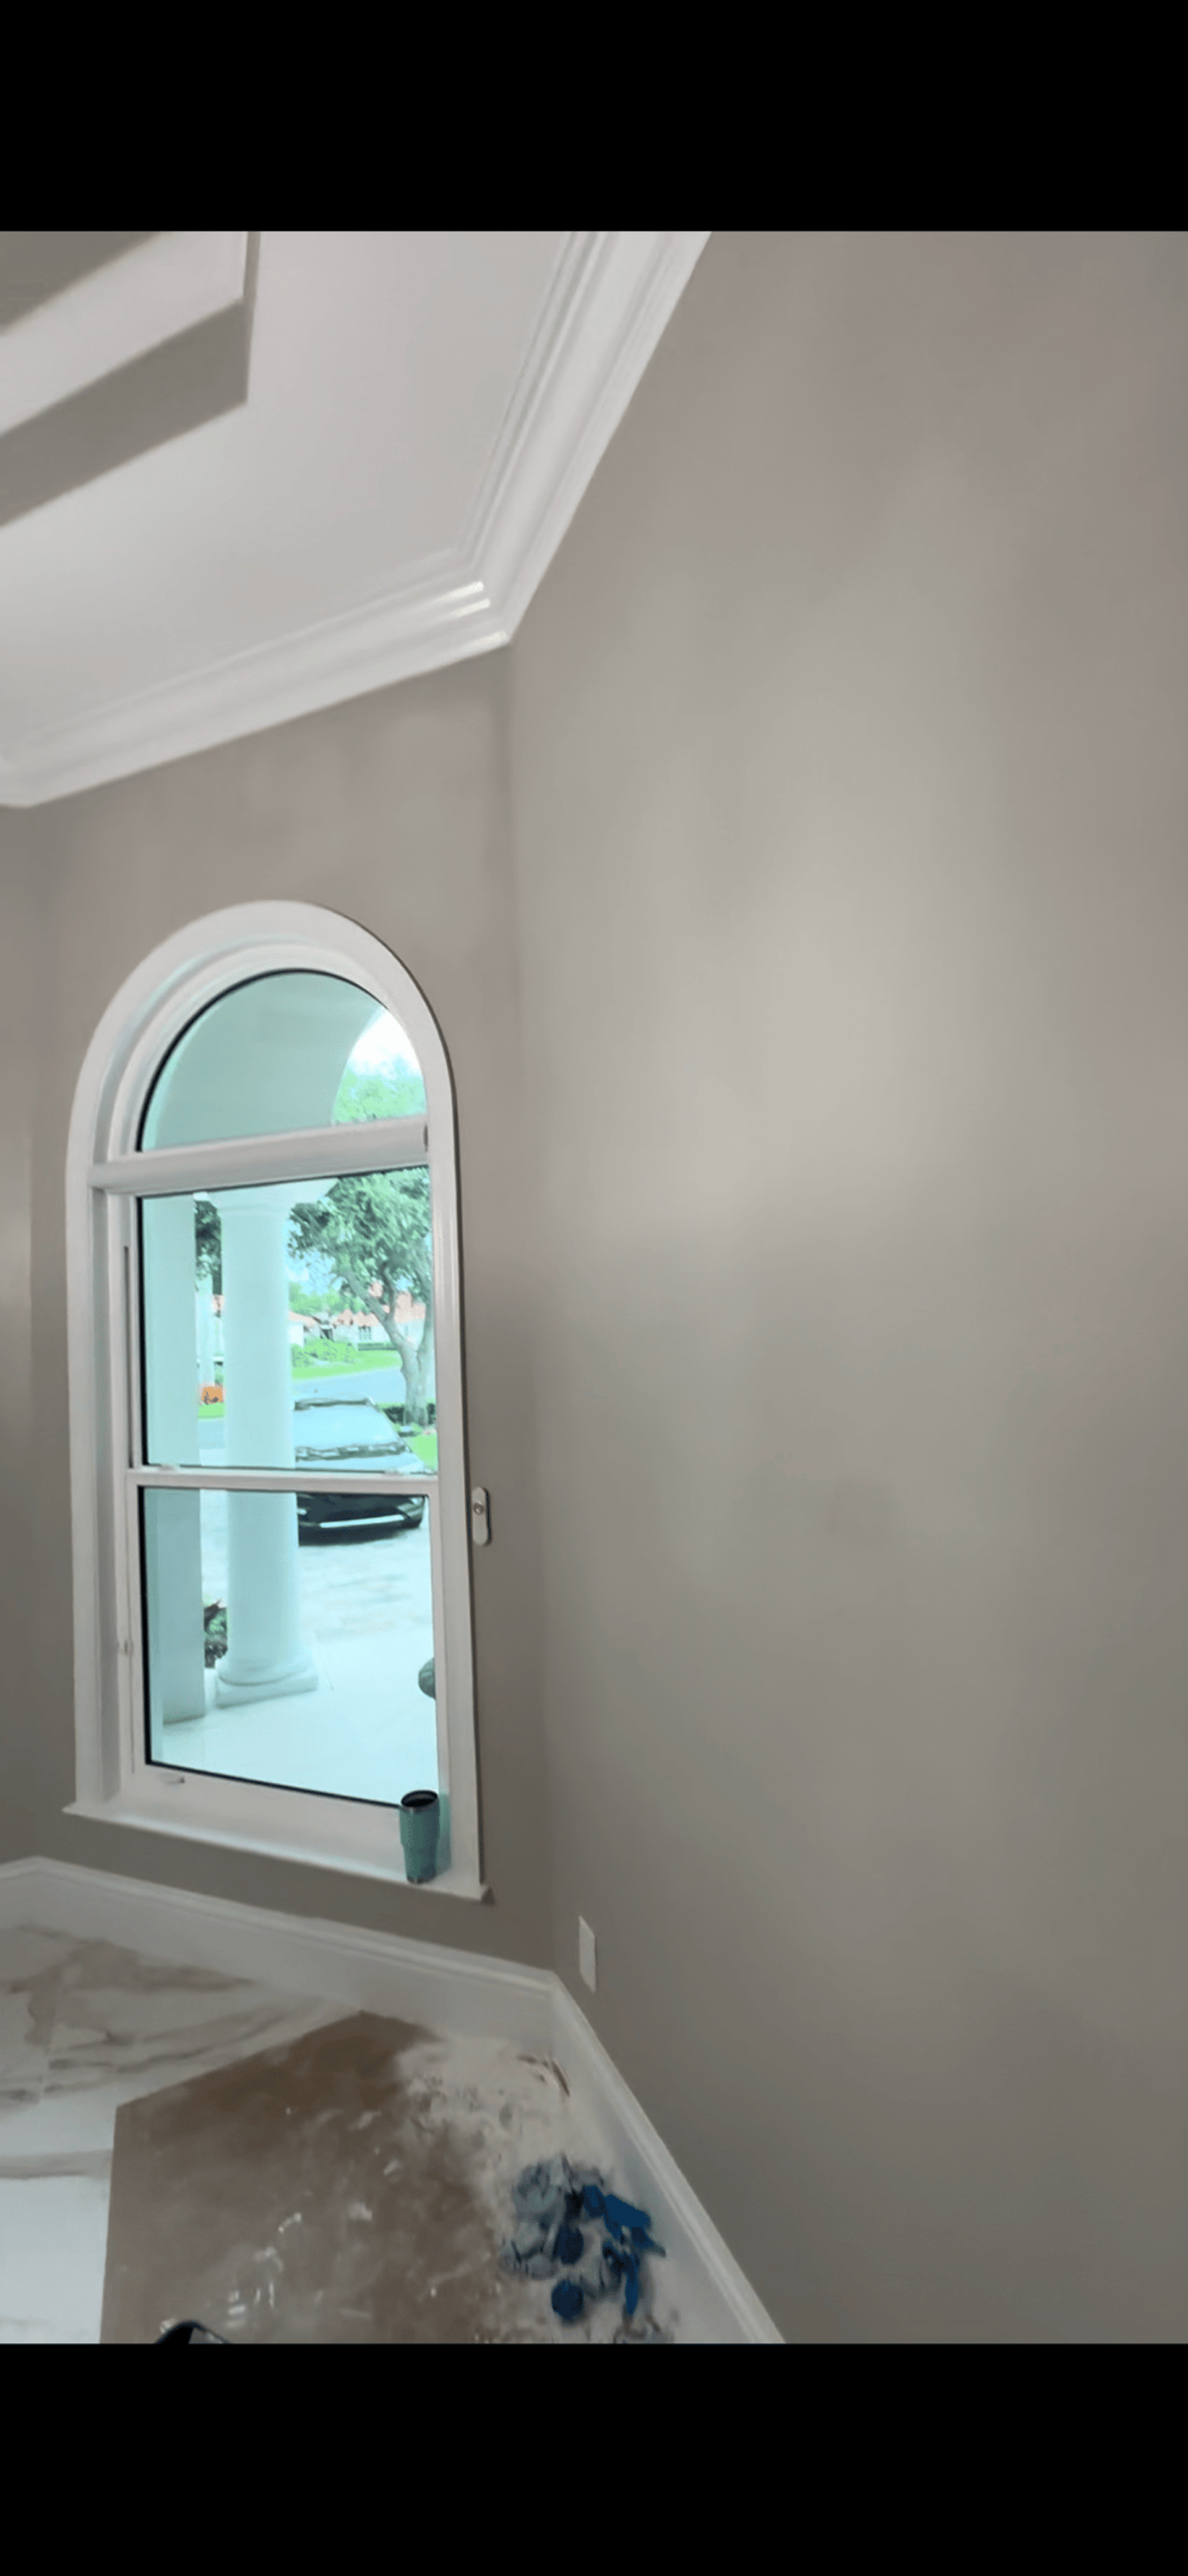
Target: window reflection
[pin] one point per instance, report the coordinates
(314, 1680)
(282, 1052)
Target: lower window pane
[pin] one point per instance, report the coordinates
(289, 1640)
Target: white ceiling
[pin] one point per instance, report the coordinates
(423, 414)
(79, 332)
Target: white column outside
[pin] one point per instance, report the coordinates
(172, 1520)
(267, 1657)
(204, 1309)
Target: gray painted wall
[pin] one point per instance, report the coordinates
(844, 872)
(851, 784)
(392, 809)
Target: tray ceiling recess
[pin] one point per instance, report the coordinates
(246, 475)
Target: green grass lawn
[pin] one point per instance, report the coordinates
(342, 1358)
(341, 1362)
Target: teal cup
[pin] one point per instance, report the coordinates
(420, 1824)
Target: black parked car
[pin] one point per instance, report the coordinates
(350, 1431)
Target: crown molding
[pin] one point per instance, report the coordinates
(439, 618)
(611, 298)
(608, 303)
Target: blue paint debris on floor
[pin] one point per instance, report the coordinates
(570, 2225)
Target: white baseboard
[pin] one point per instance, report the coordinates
(717, 2303)
(415, 1981)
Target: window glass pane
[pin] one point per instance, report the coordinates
(290, 1323)
(280, 1052)
(298, 1654)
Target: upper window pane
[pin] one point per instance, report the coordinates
(282, 1052)
(292, 1326)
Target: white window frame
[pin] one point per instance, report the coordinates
(105, 1176)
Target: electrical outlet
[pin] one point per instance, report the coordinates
(586, 1958)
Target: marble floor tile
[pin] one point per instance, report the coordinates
(85, 2026)
(53, 2247)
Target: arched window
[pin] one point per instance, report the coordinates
(271, 1511)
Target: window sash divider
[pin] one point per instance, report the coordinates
(254, 1162)
(280, 1480)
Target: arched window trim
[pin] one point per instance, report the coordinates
(148, 1014)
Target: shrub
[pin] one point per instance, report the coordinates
(214, 1620)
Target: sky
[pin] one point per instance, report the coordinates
(382, 1044)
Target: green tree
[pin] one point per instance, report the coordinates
(374, 1228)
(397, 1092)
(305, 1301)
(369, 1231)
(208, 1240)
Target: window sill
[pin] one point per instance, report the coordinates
(454, 1881)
